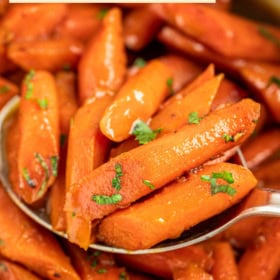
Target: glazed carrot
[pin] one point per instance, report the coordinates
(163, 264)
(244, 232)
(161, 215)
(50, 55)
(39, 132)
(225, 266)
(103, 64)
(192, 271)
(43, 19)
(262, 79)
(95, 196)
(30, 245)
(12, 271)
(95, 264)
(5, 64)
(268, 173)
(174, 115)
(87, 149)
(212, 28)
(3, 6)
(7, 91)
(138, 98)
(81, 21)
(137, 36)
(261, 259)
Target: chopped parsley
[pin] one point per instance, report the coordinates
(66, 67)
(193, 118)
(123, 276)
(43, 103)
(215, 187)
(54, 165)
(105, 199)
(29, 84)
(101, 270)
(27, 178)
(169, 84)
(149, 184)
(4, 89)
(269, 36)
(1, 242)
(3, 267)
(102, 13)
(116, 181)
(143, 133)
(228, 138)
(44, 165)
(73, 214)
(274, 80)
(139, 62)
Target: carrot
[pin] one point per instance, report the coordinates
(225, 266)
(262, 259)
(38, 145)
(137, 36)
(95, 264)
(244, 232)
(7, 91)
(139, 98)
(3, 6)
(261, 78)
(87, 149)
(50, 55)
(174, 115)
(151, 162)
(12, 271)
(31, 245)
(222, 32)
(268, 173)
(102, 66)
(192, 271)
(6, 64)
(163, 264)
(26, 22)
(81, 21)
(161, 215)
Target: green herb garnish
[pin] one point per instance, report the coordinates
(3, 267)
(274, 80)
(29, 84)
(169, 84)
(27, 178)
(54, 165)
(215, 187)
(228, 138)
(102, 13)
(193, 118)
(123, 276)
(116, 181)
(149, 184)
(1, 242)
(101, 270)
(105, 199)
(269, 36)
(44, 165)
(4, 89)
(139, 62)
(43, 103)
(143, 133)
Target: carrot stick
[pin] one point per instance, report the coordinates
(192, 271)
(103, 64)
(262, 259)
(161, 215)
(50, 55)
(7, 91)
(12, 271)
(163, 264)
(222, 32)
(87, 149)
(139, 98)
(26, 22)
(137, 36)
(225, 266)
(39, 132)
(31, 245)
(151, 163)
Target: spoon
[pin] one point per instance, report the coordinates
(196, 234)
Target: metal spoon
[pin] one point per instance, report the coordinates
(199, 233)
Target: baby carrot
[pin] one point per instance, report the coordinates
(102, 66)
(161, 215)
(50, 55)
(191, 271)
(138, 172)
(7, 91)
(138, 98)
(39, 132)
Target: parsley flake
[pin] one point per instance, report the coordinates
(101, 270)
(144, 134)
(169, 84)
(54, 165)
(149, 184)
(228, 138)
(116, 181)
(193, 118)
(139, 62)
(44, 165)
(4, 89)
(269, 36)
(29, 85)
(123, 276)
(43, 103)
(27, 178)
(105, 199)
(274, 80)
(1, 242)
(102, 13)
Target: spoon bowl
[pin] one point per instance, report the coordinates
(198, 233)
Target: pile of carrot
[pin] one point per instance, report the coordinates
(126, 133)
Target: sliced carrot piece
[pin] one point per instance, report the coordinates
(103, 64)
(164, 218)
(38, 153)
(7, 91)
(100, 192)
(139, 98)
(191, 271)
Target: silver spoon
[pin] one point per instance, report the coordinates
(199, 233)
